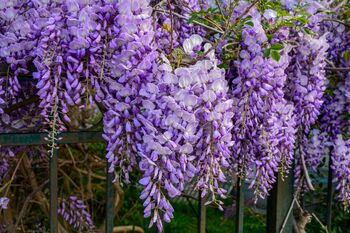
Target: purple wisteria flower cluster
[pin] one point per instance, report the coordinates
(75, 212)
(331, 138)
(133, 65)
(307, 80)
(264, 123)
(188, 134)
(341, 168)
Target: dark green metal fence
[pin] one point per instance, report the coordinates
(278, 208)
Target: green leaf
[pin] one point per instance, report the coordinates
(266, 53)
(346, 55)
(275, 55)
(269, 37)
(346, 116)
(250, 23)
(224, 66)
(307, 30)
(277, 46)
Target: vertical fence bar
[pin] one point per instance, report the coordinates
(109, 201)
(278, 204)
(239, 206)
(202, 214)
(53, 193)
(329, 194)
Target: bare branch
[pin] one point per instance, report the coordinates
(187, 18)
(341, 69)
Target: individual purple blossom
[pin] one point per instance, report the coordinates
(191, 44)
(4, 201)
(270, 15)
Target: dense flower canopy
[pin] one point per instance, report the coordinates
(193, 93)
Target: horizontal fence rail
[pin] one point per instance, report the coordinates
(280, 201)
(18, 139)
(26, 139)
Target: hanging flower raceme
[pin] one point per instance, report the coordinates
(16, 18)
(2, 96)
(341, 169)
(333, 119)
(75, 212)
(307, 81)
(314, 149)
(264, 122)
(187, 134)
(131, 68)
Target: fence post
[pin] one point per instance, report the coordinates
(53, 192)
(278, 204)
(109, 201)
(239, 206)
(202, 214)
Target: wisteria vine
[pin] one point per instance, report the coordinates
(192, 92)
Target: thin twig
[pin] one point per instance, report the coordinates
(8, 184)
(221, 39)
(25, 204)
(340, 74)
(187, 18)
(172, 27)
(342, 69)
(335, 20)
(319, 221)
(303, 164)
(246, 11)
(219, 6)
